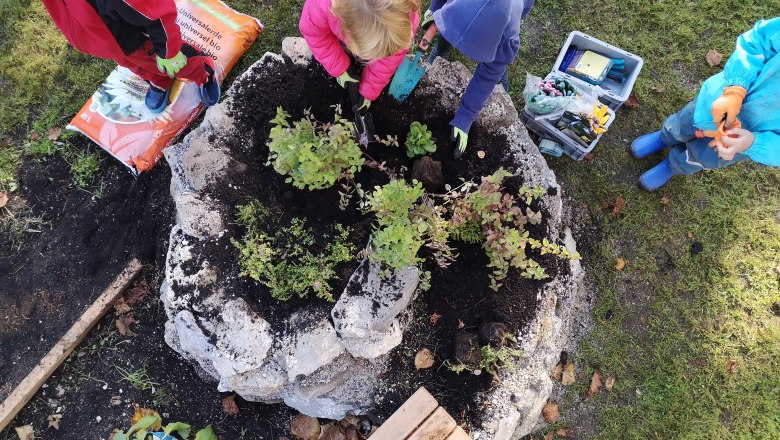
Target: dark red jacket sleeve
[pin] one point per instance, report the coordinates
(158, 17)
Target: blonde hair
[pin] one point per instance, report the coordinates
(375, 29)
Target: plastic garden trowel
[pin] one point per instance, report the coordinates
(411, 70)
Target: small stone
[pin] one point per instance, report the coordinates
(467, 348)
(492, 333)
(428, 172)
(481, 154)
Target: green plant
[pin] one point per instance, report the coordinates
(282, 260)
(485, 213)
(140, 430)
(139, 378)
(419, 141)
(10, 157)
(313, 155)
(495, 358)
(406, 220)
(84, 168)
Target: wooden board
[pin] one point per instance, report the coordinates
(65, 346)
(459, 434)
(437, 426)
(408, 417)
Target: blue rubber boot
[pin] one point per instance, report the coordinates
(647, 144)
(657, 176)
(210, 92)
(156, 99)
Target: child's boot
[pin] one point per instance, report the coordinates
(156, 99)
(657, 176)
(647, 144)
(210, 92)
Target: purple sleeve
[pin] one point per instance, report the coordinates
(436, 5)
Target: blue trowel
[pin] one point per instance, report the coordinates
(412, 69)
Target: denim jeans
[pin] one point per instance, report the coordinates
(443, 48)
(689, 155)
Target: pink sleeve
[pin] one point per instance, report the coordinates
(377, 74)
(323, 42)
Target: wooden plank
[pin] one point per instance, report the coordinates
(408, 417)
(459, 434)
(65, 346)
(437, 426)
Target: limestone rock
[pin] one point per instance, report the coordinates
(311, 349)
(371, 302)
(376, 343)
(297, 50)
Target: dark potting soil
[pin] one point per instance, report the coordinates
(459, 293)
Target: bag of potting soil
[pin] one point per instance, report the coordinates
(116, 118)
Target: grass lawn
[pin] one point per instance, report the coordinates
(666, 325)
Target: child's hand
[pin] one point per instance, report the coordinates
(737, 140)
(425, 43)
(727, 107)
(172, 66)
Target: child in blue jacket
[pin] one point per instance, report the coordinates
(735, 117)
(487, 31)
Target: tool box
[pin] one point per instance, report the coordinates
(610, 92)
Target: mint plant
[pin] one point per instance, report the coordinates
(312, 154)
(419, 141)
(280, 256)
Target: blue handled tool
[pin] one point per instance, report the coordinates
(411, 70)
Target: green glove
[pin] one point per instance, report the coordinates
(362, 105)
(345, 78)
(427, 19)
(459, 140)
(172, 66)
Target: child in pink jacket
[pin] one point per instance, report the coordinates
(377, 32)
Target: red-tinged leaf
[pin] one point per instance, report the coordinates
(121, 307)
(589, 157)
(434, 319)
(229, 405)
(665, 200)
(305, 427)
(731, 366)
(137, 293)
(565, 433)
(35, 137)
(615, 205)
(714, 58)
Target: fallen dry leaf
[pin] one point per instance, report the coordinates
(137, 293)
(632, 101)
(3, 199)
(54, 133)
(54, 421)
(351, 434)
(548, 436)
(665, 200)
(116, 400)
(481, 154)
(731, 366)
(589, 157)
(423, 359)
(331, 431)
(35, 136)
(461, 324)
(701, 362)
(140, 413)
(229, 405)
(615, 205)
(610, 383)
(690, 234)
(595, 383)
(567, 378)
(714, 58)
(434, 319)
(565, 433)
(121, 307)
(620, 264)
(557, 372)
(305, 427)
(656, 89)
(25, 432)
(550, 412)
(123, 324)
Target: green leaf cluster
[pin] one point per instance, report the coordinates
(419, 141)
(140, 430)
(281, 257)
(313, 155)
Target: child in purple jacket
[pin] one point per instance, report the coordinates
(487, 31)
